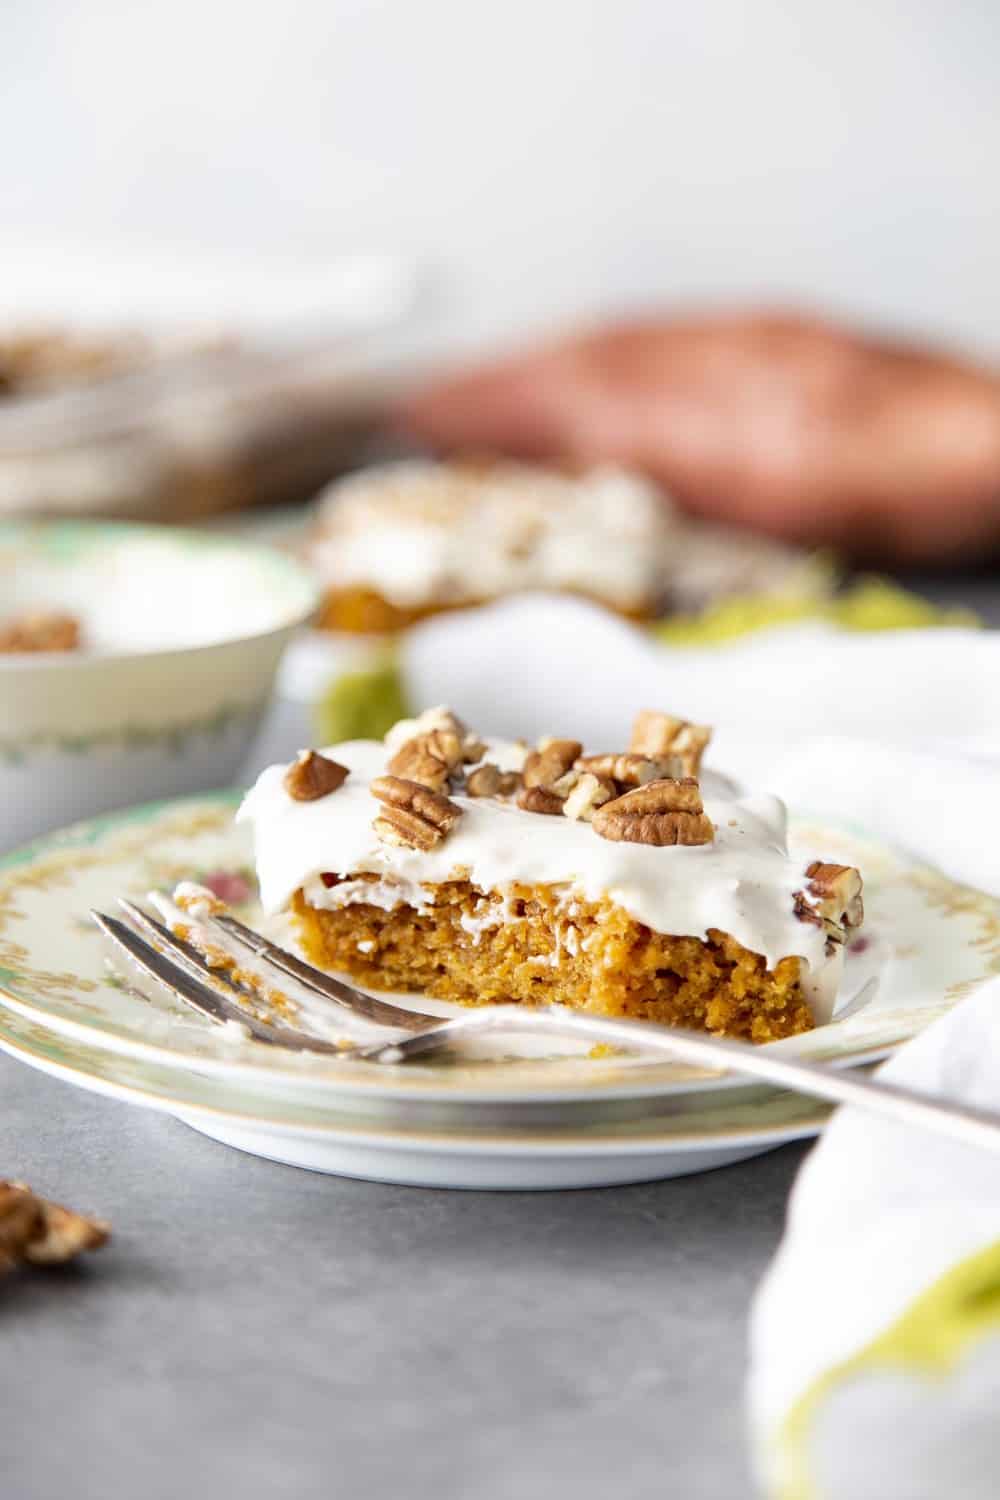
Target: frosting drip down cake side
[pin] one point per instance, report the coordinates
(625, 883)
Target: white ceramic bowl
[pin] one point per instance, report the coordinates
(183, 636)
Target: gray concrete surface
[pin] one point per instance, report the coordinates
(262, 1332)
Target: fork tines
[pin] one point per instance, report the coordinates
(210, 990)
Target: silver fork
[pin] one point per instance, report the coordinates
(183, 970)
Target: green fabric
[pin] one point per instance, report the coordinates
(870, 604)
(931, 1337)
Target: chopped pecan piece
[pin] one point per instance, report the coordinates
(35, 1232)
(631, 769)
(311, 776)
(549, 776)
(832, 900)
(441, 718)
(484, 781)
(488, 780)
(661, 812)
(412, 816)
(432, 759)
(589, 793)
(550, 761)
(656, 734)
(540, 799)
(837, 892)
(807, 913)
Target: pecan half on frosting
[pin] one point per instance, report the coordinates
(412, 816)
(656, 734)
(662, 812)
(311, 776)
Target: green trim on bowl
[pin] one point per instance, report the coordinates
(171, 737)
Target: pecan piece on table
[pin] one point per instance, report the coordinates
(662, 812)
(35, 1232)
(311, 776)
(412, 816)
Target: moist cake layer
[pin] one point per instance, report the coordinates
(539, 945)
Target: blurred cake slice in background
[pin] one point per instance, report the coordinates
(400, 542)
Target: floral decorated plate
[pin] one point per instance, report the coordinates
(927, 941)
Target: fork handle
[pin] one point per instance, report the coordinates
(960, 1122)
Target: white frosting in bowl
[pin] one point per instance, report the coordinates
(743, 883)
(144, 589)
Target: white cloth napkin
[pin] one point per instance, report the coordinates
(898, 731)
(876, 1336)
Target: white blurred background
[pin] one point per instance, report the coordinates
(556, 159)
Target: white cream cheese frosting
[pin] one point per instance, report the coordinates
(423, 533)
(743, 883)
